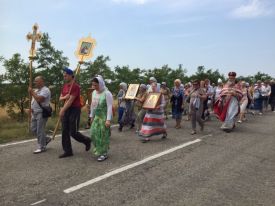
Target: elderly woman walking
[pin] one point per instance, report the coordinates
(177, 101)
(243, 102)
(197, 97)
(258, 97)
(121, 101)
(153, 122)
(140, 99)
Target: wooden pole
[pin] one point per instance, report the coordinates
(34, 36)
(30, 96)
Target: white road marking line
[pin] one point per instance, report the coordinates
(36, 203)
(31, 140)
(14, 143)
(130, 166)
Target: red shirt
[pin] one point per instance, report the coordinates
(74, 92)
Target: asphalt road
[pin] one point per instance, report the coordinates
(219, 168)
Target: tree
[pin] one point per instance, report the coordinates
(14, 93)
(51, 63)
(213, 76)
(261, 76)
(91, 69)
(178, 73)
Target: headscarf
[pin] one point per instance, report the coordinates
(101, 83)
(153, 79)
(143, 86)
(123, 85)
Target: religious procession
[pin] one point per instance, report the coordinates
(143, 108)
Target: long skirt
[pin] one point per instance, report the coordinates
(153, 124)
(232, 112)
(100, 136)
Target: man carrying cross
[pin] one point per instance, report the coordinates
(41, 97)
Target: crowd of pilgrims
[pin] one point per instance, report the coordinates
(229, 101)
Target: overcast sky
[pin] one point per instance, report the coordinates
(227, 35)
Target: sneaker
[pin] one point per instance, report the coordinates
(65, 155)
(193, 132)
(101, 158)
(260, 113)
(240, 121)
(37, 151)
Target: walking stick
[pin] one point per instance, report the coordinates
(34, 36)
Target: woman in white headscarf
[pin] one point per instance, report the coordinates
(101, 115)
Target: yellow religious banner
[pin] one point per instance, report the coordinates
(85, 48)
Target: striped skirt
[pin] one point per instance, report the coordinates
(153, 124)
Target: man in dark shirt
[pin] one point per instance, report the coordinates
(70, 114)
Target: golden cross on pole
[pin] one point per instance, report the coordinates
(34, 36)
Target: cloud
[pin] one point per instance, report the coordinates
(255, 8)
(139, 2)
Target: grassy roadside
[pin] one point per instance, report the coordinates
(11, 130)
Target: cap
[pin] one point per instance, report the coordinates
(68, 71)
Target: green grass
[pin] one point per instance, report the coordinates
(11, 130)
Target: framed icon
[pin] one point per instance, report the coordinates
(85, 48)
(152, 100)
(132, 91)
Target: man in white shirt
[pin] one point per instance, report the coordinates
(41, 97)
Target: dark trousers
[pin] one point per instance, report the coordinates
(70, 126)
(120, 113)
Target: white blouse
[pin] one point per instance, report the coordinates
(109, 101)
